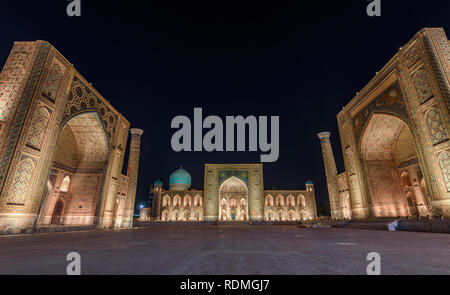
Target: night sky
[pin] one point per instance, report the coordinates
(154, 60)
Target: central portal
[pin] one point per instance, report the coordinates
(233, 205)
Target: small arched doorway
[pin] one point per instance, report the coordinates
(58, 212)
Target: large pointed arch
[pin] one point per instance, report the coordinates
(232, 190)
(387, 145)
(82, 154)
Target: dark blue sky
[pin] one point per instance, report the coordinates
(154, 60)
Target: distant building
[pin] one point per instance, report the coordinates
(233, 192)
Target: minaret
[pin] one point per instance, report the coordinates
(310, 190)
(133, 169)
(331, 173)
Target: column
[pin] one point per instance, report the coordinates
(331, 173)
(133, 169)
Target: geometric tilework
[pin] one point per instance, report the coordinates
(51, 83)
(412, 56)
(380, 137)
(23, 100)
(90, 139)
(81, 99)
(422, 85)
(11, 77)
(37, 128)
(435, 126)
(20, 182)
(444, 163)
(389, 101)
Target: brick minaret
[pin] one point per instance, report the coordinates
(331, 172)
(133, 169)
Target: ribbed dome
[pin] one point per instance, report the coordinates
(180, 179)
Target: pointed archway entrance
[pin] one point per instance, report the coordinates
(77, 172)
(390, 159)
(233, 195)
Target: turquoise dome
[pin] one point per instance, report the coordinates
(158, 183)
(309, 182)
(180, 176)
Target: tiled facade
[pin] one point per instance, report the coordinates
(234, 192)
(394, 136)
(54, 128)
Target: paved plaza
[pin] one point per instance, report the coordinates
(226, 250)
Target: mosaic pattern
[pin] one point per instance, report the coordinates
(90, 138)
(444, 162)
(82, 99)
(22, 108)
(242, 175)
(389, 101)
(380, 136)
(412, 56)
(11, 78)
(52, 82)
(422, 85)
(435, 126)
(20, 183)
(442, 43)
(38, 127)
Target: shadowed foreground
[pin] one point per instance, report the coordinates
(227, 250)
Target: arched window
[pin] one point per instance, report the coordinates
(269, 215)
(291, 201)
(198, 200)
(175, 215)
(269, 200)
(177, 201)
(291, 215)
(243, 203)
(65, 184)
(198, 215)
(165, 215)
(166, 201)
(187, 215)
(279, 200)
(301, 201)
(281, 215)
(187, 201)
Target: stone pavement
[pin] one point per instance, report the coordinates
(227, 250)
